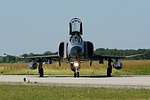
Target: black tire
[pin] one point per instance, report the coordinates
(109, 70)
(77, 74)
(41, 72)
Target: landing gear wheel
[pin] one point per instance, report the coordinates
(41, 72)
(109, 70)
(76, 74)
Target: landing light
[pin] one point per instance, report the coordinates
(76, 64)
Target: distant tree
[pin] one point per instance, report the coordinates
(126, 52)
(47, 53)
(31, 54)
(24, 55)
(10, 59)
(2, 59)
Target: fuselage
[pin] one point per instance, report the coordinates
(76, 46)
(76, 49)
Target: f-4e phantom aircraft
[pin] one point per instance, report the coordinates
(76, 51)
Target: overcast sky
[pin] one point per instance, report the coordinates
(40, 25)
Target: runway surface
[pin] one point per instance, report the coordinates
(87, 81)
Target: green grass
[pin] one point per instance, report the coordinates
(38, 92)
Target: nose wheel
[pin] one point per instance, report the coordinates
(76, 73)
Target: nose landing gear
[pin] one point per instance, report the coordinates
(76, 73)
(75, 69)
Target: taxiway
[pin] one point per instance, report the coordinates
(91, 81)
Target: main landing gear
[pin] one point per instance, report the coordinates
(41, 71)
(109, 69)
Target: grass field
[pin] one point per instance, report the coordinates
(32, 92)
(130, 67)
(37, 92)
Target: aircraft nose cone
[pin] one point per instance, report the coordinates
(76, 51)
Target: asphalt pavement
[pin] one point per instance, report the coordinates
(83, 81)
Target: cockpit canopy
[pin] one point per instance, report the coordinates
(75, 26)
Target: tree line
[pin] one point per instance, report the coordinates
(102, 51)
(126, 52)
(19, 59)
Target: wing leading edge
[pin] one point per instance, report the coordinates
(36, 57)
(43, 57)
(97, 57)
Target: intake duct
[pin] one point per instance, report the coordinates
(63, 49)
(88, 49)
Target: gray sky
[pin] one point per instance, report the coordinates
(40, 25)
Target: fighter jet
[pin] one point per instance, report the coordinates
(75, 51)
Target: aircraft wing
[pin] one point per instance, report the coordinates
(97, 57)
(43, 57)
(36, 57)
